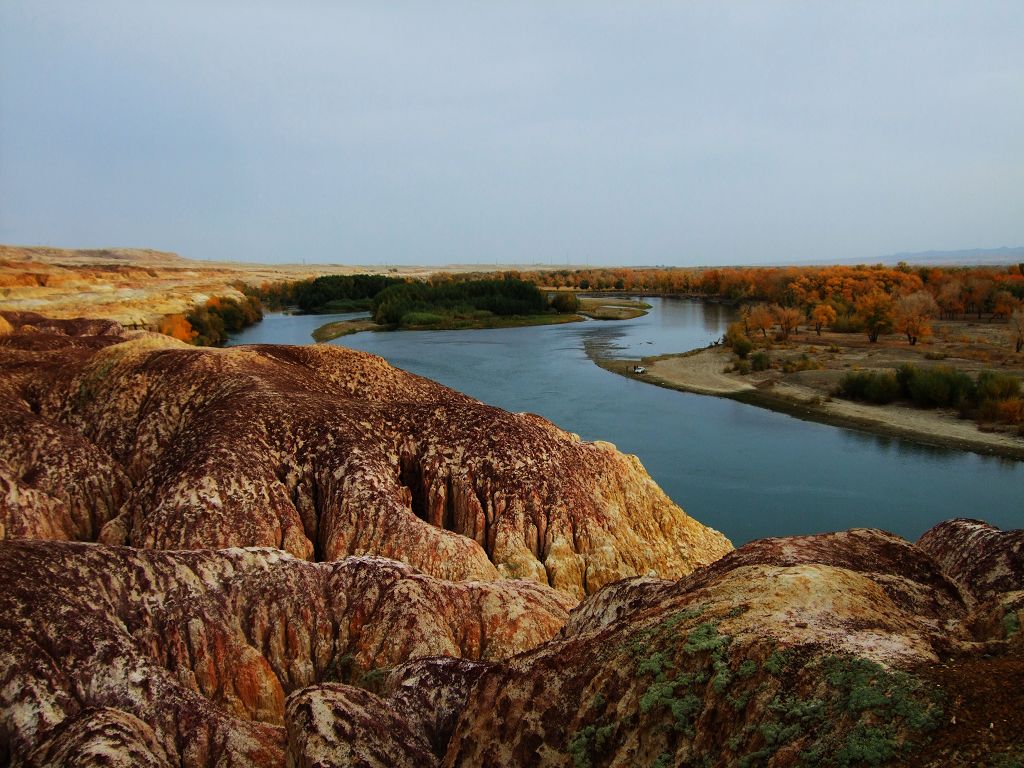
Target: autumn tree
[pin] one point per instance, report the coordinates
(788, 319)
(178, 327)
(950, 299)
(760, 318)
(874, 309)
(822, 314)
(912, 315)
(977, 291)
(1017, 328)
(1003, 304)
(745, 318)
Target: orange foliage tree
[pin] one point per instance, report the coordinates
(788, 319)
(875, 311)
(1003, 304)
(760, 318)
(178, 327)
(822, 314)
(912, 315)
(1017, 328)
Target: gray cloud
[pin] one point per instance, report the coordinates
(641, 133)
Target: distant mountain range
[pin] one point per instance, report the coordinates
(968, 256)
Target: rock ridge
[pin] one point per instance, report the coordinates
(321, 451)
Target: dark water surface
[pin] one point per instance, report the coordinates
(743, 470)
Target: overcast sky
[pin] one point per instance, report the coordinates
(589, 132)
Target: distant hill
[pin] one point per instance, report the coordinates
(970, 256)
(82, 256)
(966, 257)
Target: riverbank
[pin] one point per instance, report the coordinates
(335, 330)
(704, 372)
(611, 308)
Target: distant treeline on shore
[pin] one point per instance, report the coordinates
(837, 293)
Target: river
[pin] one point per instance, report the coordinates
(744, 470)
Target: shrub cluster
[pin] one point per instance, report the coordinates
(274, 296)
(340, 293)
(565, 303)
(738, 341)
(498, 297)
(803, 363)
(760, 361)
(993, 396)
(222, 315)
(939, 387)
(877, 387)
(847, 323)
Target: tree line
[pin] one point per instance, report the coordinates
(210, 323)
(874, 300)
(412, 303)
(326, 293)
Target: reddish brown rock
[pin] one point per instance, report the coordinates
(989, 564)
(54, 484)
(189, 656)
(326, 452)
(982, 558)
(805, 650)
(838, 649)
(103, 736)
(409, 723)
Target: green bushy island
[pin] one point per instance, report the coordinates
(398, 304)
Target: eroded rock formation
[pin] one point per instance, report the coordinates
(190, 656)
(847, 649)
(321, 451)
(838, 649)
(214, 640)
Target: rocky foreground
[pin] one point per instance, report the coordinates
(274, 556)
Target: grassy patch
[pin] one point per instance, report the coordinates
(341, 328)
(612, 309)
(1011, 623)
(589, 742)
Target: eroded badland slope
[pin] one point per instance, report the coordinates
(302, 556)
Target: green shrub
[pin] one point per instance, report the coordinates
(742, 347)
(565, 303)
(847, 323)
(738, 341)
(500, 297)
(803, 363)
(322, 293)
(761, 361)
(876, 387)
(993, 385)
(939, 387)
(346, 305)
(421, 318)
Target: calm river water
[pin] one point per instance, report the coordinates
(746, 471)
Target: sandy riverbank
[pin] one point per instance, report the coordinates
(702, 372)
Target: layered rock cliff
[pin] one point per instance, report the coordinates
(844, 649)
(321, 451)
(193, 654)
(331, 562)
